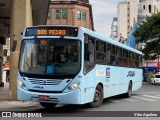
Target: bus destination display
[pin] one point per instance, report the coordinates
(52, 32)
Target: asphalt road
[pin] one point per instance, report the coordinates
(145, 99)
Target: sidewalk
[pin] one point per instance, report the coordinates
(5, 102)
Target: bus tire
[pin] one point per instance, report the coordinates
(129, 92)
(98, 97)
(48, 105)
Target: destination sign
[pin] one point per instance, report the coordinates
(52, 31)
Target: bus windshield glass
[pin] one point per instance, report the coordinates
(50, 56)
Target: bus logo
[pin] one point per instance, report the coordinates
(44, 81)
(38, 87)
(107, 72)
(131, 74)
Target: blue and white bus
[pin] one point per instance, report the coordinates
(74, 65)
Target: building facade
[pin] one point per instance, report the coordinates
(150, 6)
(70, 12)
(114, 29)
(127, 16)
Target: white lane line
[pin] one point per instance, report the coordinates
(149, 92)
(150, 96)
(143, 98)
(131, 100)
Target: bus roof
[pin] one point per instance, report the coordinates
(96, 35)
(109, 40)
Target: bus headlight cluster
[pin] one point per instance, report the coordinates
(21, 84)
(73, 86)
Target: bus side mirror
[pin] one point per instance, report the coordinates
(14, 46)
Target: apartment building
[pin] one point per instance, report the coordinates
(127, 16)
(70, 12)
(114, 29)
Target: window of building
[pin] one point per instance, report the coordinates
(78, 14)
(83, 15)
(144, 7)
(49, 14)
(58, 14)
(64, 14)
(149, 7)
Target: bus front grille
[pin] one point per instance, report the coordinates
(45, 81)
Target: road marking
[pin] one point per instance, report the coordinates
(151, 96)
(144, 98)
(131, 100)
(148, 92)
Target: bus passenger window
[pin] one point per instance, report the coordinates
(108, 54)
(100, 52)
(89, 53)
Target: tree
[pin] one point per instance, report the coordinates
(149, 33)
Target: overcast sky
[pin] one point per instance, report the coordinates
(103, 13)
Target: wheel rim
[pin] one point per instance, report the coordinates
(97, 96)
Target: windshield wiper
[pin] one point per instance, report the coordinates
(28, 66)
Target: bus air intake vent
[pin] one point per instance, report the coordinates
(45, 81)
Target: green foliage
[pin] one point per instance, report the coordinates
(149, 33)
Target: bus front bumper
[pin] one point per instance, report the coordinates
(72, 97)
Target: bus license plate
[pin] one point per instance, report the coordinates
(43, 97)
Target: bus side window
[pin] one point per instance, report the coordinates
(89, 50)
(89, 53)
(100, 52)
(113, 55)
(119, 56)
(125, 58)
(108, 54)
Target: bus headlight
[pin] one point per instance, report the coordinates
(21, 84)
(73, 86)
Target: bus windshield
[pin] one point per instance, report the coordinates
(50, 56)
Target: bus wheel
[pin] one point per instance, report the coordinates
(129, 92)
(48, 105)
(98, 97)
